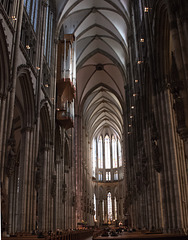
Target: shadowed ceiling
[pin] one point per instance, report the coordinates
(100, 28)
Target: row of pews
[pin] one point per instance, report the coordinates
(59, 235)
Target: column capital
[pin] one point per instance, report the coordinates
(45, 3)
(3, 96)
(27, 129)
(46, 148)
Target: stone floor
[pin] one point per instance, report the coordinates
(142, 236)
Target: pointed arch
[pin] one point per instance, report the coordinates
(45, 124)
(25, 94)
(4, 63)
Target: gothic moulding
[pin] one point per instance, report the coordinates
(156, 156)
(4, 62)
(176, 86)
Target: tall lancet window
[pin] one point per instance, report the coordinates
(94, 157)
(116, 176)
(119, 154)
(95, 208)
(103, 210)
(100, 153)
(100, 176)
(107, 152)
(48, 34)
(32, 11)
(114, 152)
(109, 201)
(115, 208)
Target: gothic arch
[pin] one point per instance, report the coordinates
(25, 94)
(19, 156)
(162, 46)
(45, 126)
(101, 193)
(4, 63)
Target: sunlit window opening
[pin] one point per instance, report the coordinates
(32, 11)
(116, 175)
(100, 153)
(95, 208)
(100, 176)
(108, 176)
(48, 35)
(115, 208)
(103, 210)
(119, 154)
(94, 157)
(109, 200)
(107, 152)
(114, 152)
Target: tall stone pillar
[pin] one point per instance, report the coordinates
(30, 184)
(105, 211)
(3, 136)
(44, 191)
(58, 203)
(23, 178)
(113, 209)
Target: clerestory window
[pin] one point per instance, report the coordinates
(32, 7)
(107, 152)
(100, 153)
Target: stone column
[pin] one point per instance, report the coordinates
(105, 210)
(29, 196)
(113, 209)
(23, 178)
(43, 194)
(3, 137)
(58, 204)
(15, 63)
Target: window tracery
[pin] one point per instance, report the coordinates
(107, 152)
(107, 155)
(94, 158)
(119, 154)
(108, 176)
(109, 201)
(32, 11)
(114, 152)
(100, 153)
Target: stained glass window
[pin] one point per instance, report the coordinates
(114, 152)
(115, 208)
(94, 157)
(100, 176)
(50, 38)
(108, 176)
(32, 11)
(28, 5)
(48, 34)
(103, 210)
(46, 31)
(119, 153)
(116, 175)
(95, 216)
(109, 201)
(107, 152)
(100, 153)
(36, 15)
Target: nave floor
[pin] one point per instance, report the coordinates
(142, 236)
(122, 236)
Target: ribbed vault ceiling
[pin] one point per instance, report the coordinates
(100, 28)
